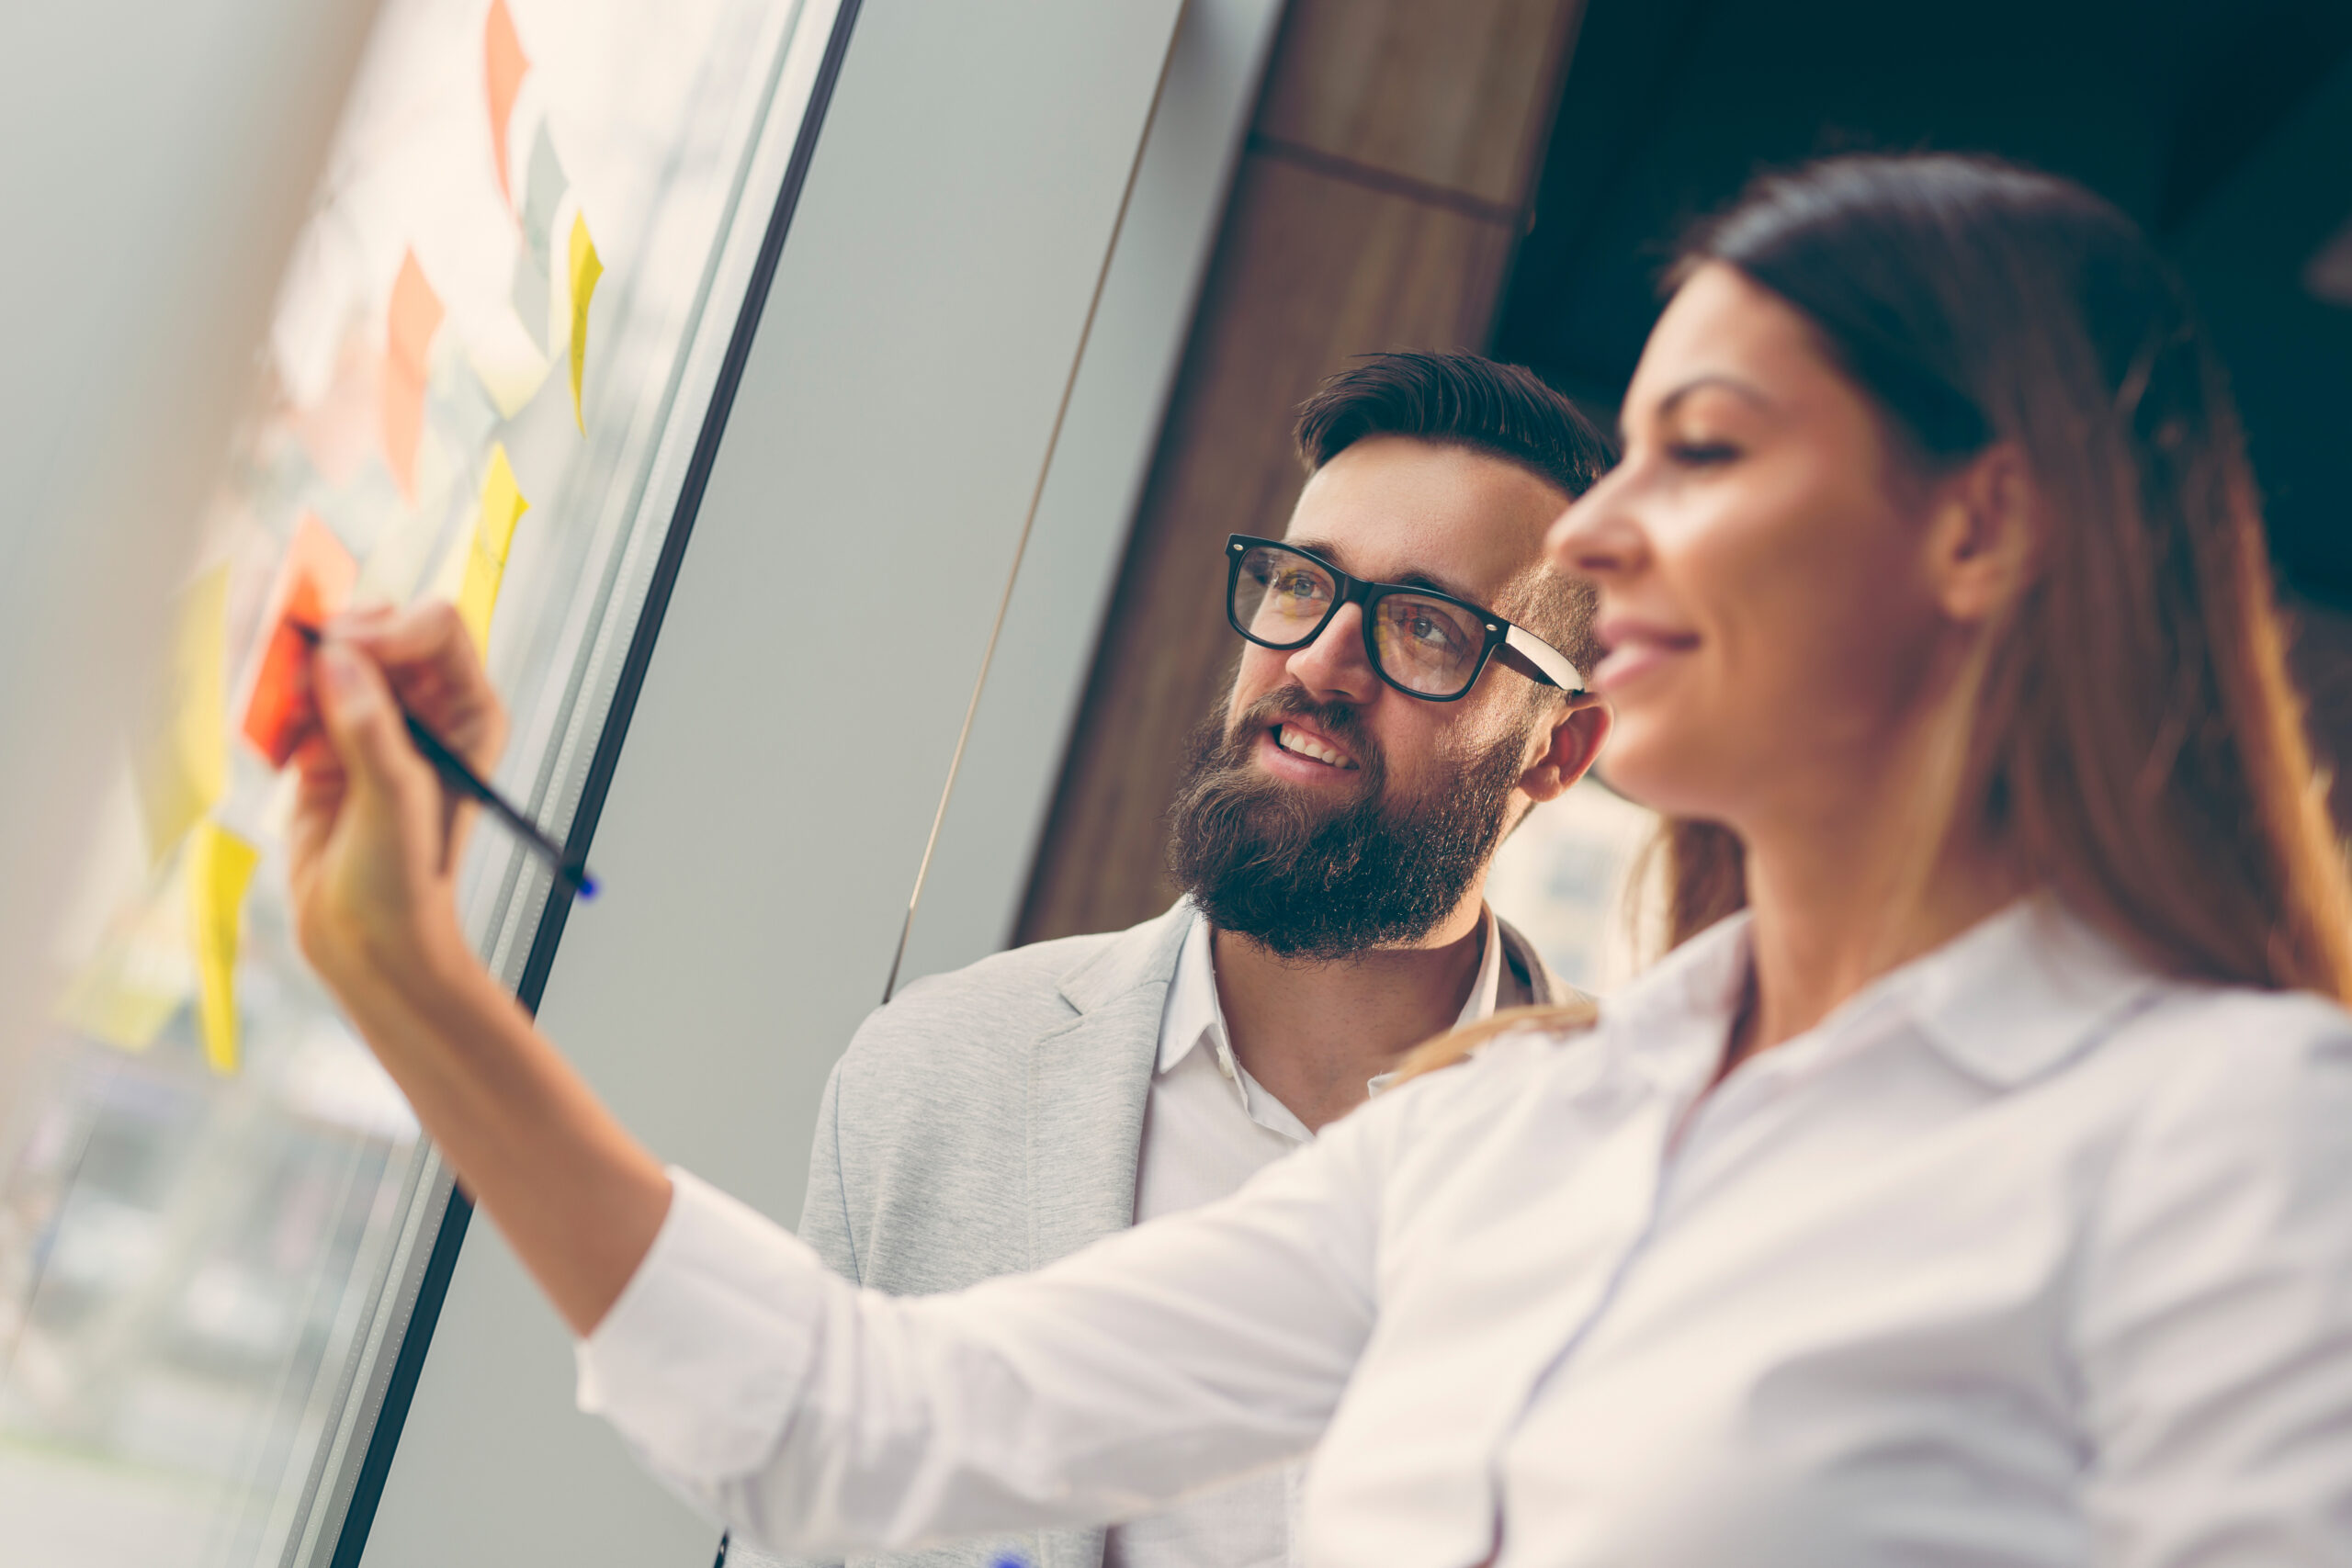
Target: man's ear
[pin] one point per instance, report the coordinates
(1571, 744)
(1981, 542)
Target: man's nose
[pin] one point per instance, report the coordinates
(1333, 666)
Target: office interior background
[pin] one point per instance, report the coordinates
(819, 403)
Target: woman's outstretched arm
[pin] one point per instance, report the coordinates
(812, 1415)
(373, 853)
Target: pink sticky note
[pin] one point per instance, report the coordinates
(414, 317)
(314, 581)
(504, 63)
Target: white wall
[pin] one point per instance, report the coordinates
(989, 840)
(780, 775)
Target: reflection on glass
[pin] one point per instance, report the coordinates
(476, 371)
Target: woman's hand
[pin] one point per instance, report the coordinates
(374, 846)
(376, 836)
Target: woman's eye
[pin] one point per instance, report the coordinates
(1701, 454)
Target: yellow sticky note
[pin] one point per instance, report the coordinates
(586, 270)
(220, 867)
(183, 767)
(138, 977)
(502, 508)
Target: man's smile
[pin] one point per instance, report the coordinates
(1293, 749)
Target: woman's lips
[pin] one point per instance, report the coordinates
(1635, 650)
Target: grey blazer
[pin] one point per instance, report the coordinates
(989, 1122)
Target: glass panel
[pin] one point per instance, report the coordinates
(1564, 879)
(494, 348)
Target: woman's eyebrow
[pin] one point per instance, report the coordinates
(1746, 390)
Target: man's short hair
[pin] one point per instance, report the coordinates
(1482, 405)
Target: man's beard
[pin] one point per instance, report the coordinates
(1315, 882)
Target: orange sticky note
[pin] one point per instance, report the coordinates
(314, 583)
(336, 434)
(505, 64)
(414, 317)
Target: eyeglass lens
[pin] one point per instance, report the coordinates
(1428, 646)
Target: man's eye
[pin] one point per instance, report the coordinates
(1428, 628)
(1701, 454)
(1297, 584)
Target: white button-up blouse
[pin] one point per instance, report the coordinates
(2025, 1255)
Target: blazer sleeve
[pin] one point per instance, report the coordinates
(824, 1207)
(2215, 1307)
(816, 1418)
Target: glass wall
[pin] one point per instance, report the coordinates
(493, 353)
(1566, 878)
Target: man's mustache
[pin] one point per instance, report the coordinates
(1342, 722)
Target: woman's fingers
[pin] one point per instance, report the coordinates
(363, 723)
(430, 661)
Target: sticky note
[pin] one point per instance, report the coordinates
(532, 289)
(184, 766)
(108, 1005)
(314, 581)
(140, 975)
(503, 66)
(543, 188)
(220, 867)
(502, 507)
(414, 317)
(339, 431)
(586, 270)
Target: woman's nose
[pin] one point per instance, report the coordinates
(1334, 665)
(1595, 537)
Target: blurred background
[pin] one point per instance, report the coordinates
(774, 316)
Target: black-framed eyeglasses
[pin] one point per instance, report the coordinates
(1426, 644)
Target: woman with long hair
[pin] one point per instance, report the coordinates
(1972, 1184)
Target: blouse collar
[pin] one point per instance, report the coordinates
(2006, 1000)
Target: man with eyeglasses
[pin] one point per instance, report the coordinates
(1409, 688)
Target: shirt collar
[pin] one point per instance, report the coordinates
(2005, 1002)
(1193, 1010)
(2024, 991)
(1194, 1015)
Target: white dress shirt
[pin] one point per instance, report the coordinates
(1208, 1127)
(2025, 1255)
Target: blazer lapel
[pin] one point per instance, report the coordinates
(1087, 1085)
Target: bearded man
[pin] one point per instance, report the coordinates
(1408, 690)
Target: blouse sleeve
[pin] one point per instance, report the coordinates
(2216, 1308)
(813, 1416)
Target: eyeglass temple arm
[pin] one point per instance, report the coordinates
(1549, 665)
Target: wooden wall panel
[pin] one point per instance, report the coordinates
(1454, 94)
(1377, 207)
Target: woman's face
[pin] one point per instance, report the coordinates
(1765, 593)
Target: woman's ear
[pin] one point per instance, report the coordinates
(1569, 748)
(1982, 542)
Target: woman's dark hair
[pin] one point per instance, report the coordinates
(2138, 743)
(1481, 405)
